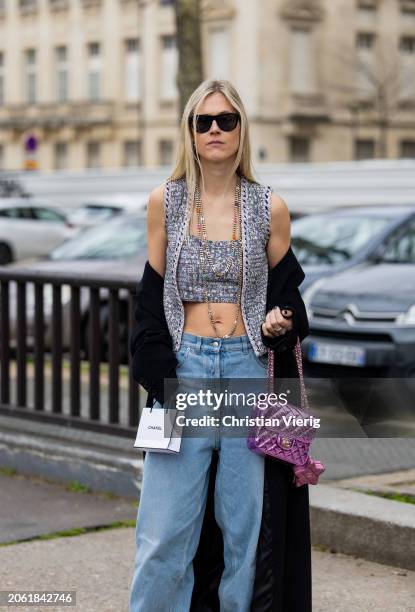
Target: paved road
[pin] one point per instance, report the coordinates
(349, 449)
(32, 506)
(99, 566)
(345, 457)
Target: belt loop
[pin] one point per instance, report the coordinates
(245, 344)
(198, 346)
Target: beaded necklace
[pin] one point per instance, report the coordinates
(205, 255)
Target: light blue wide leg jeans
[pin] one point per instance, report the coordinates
(174, 493)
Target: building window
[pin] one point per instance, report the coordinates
(132, 154)
(367, 5)
(1, 79)
(61, 60)
(61, 155)
(94, 71)
(93, 154)
(132, 70)
(219, 54)
(168, 85)
(299, 149)
(407, 68)
(407, 149)
(367, 16)
(30, 76)
(407, 6)
(364, 149)
(366, 65)
(58, 5)
(91, 3)
(407, 44)
(28, 6)
(167, 2)
(365, 40)
(302, 66)
(166, 152)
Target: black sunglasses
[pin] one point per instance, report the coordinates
(226, 122)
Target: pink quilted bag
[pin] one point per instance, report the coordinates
(291, 442)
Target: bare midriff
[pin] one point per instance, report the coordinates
(196, 313)
(197, 320)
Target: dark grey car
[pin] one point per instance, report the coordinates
(362, 320)
(332, 241)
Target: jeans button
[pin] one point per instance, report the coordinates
(215, 343)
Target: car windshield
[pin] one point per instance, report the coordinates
(401, 246)
(115, 239)
(93, 213)
(324, 239)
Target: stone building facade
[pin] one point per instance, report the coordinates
(91, 83)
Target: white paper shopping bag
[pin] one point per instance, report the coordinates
(155, 431)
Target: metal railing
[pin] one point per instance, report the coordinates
(115, 291)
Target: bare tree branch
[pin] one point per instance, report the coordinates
(384, 76)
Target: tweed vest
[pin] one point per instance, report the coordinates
(256, 224)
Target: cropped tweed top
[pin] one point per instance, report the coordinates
(256, 226)
(189, 272)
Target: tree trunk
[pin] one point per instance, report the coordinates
(188, 31)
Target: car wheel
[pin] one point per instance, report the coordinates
(6, 255)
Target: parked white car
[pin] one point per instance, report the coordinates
(97, 210)
(30, 229)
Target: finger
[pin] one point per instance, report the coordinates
(274, 329)
(266, 331)
(273, 319)
(279, 323)
(272, 324)
(269, 330)
(282, 321)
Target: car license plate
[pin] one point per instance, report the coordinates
(337, 353)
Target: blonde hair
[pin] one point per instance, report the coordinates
(187, 158)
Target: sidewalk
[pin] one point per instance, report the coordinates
(99, 565)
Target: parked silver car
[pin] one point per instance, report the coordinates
(98, 210)
(29, 228)
(115, 248)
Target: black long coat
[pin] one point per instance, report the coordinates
(283, 564)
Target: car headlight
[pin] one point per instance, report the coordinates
(310, 292)
(408, 317)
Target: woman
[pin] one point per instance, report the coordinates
(213, 235)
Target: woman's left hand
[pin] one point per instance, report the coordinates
(276, 324)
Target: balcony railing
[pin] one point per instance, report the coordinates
(81, 406)
(54, 115)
